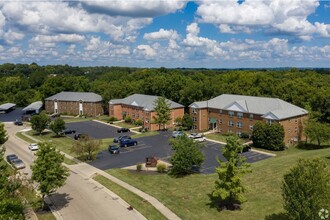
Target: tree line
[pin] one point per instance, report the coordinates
(25, 83)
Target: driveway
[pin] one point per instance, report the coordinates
(94, 129)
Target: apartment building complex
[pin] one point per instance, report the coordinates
(238, 114)
(139, 106)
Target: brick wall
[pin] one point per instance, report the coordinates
(293, 128)
(72, 108)
(200, 119)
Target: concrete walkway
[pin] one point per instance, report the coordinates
(89, 171)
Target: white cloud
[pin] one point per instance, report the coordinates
(11, 36)
(145, 51)
(283, 16)
(162, 35)
(65, 38)
(323, 29)
(192, 38)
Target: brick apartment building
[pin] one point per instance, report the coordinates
(141, 107)
(75, 103)
(238, 114)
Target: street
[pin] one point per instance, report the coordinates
(80, 198)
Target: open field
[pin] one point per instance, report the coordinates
(188, 196)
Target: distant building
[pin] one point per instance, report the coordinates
(237, 114)
(141, 107)
(7, 107)
(75, 103)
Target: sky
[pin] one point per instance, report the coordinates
(167, 33)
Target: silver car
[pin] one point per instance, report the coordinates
(18, 164)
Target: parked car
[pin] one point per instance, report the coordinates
(121, 130)
(11, 157)
(195, 135)
(246, 148)
(199, 139)
(113, 149)
(18, 164)
(78, 136)
(122, 137)
(128, 142)
(176, 134)
(18, 123)
(67, 131)
(33, 147)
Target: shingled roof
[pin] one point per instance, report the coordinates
(144, 101)
(272, 108)
(76, 96)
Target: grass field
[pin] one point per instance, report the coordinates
(124, 124)
(188, 196)
(222, 138)
(144, 207)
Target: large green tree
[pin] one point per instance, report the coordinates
(268, 136)
(187, 121)
(57, 125)
(306, 189)
(47, 169)
(229, 187)
(86, 147)
(3, 134)
(163, 111)
(187, 156)
(317, 131)
(40, 122)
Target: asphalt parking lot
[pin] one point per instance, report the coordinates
(94, 129)
(157, 146)
(12, 116)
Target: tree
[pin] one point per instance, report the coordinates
(268, 136)
(187, 121)
(57, 125)
(11, 206)
(48, 171)
(229, 188)
(3, 134)
(186, 157)
(163, 111)
(39, 122)
(317, 131)
(86, 146)
(305, 189)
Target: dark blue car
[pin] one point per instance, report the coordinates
(128, 142)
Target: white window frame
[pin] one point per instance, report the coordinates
(239, 115)
(231, 114)
(231, 123)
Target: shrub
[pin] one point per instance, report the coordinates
(245, 135)
(138, 122)
(112, 119)
(128, 119)
(161, 167)
(138, 167)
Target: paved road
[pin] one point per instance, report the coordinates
(80, 198)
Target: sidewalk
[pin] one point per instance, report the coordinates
(89, 171)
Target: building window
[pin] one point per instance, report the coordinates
(230, 131)
(296, 130)
(220, 121)
(147, 113)
(231, 123)
(251, 117)
(231, 114)
(296, 120)
(269, 121)
(147, 120)
(194, 119)
(137, 116)
(238, 133)
(239, 115)
(194, 110)
(239, 124)
(251, 127)
(220, 111)
(194, 127)
(133, 115)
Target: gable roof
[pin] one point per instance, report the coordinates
(267, 107)
(7, 106)
(33, 106)
(76, 96)
(144, 101)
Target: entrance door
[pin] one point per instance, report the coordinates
(55, 107)
(81, 111)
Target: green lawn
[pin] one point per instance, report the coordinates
(188, 196)
(124, 125)
(222, 138)
(144, 207)
(145, 134)
(73, 119)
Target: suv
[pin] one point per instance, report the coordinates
(123, 137)
(128, 142)
(67, 131)
(121, 130)
(113, 149)
(78, 136)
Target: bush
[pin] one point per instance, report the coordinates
(161, 167)
(138, 122)
(112, 119)
(128, 119)
(138, 167)
(245, 135)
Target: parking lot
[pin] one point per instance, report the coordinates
(12, 116)
(157, 145)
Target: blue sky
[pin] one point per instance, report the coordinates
(168, 33)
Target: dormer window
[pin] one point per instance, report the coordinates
(239, 115)
(231, 114)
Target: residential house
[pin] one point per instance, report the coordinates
(238, 114)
